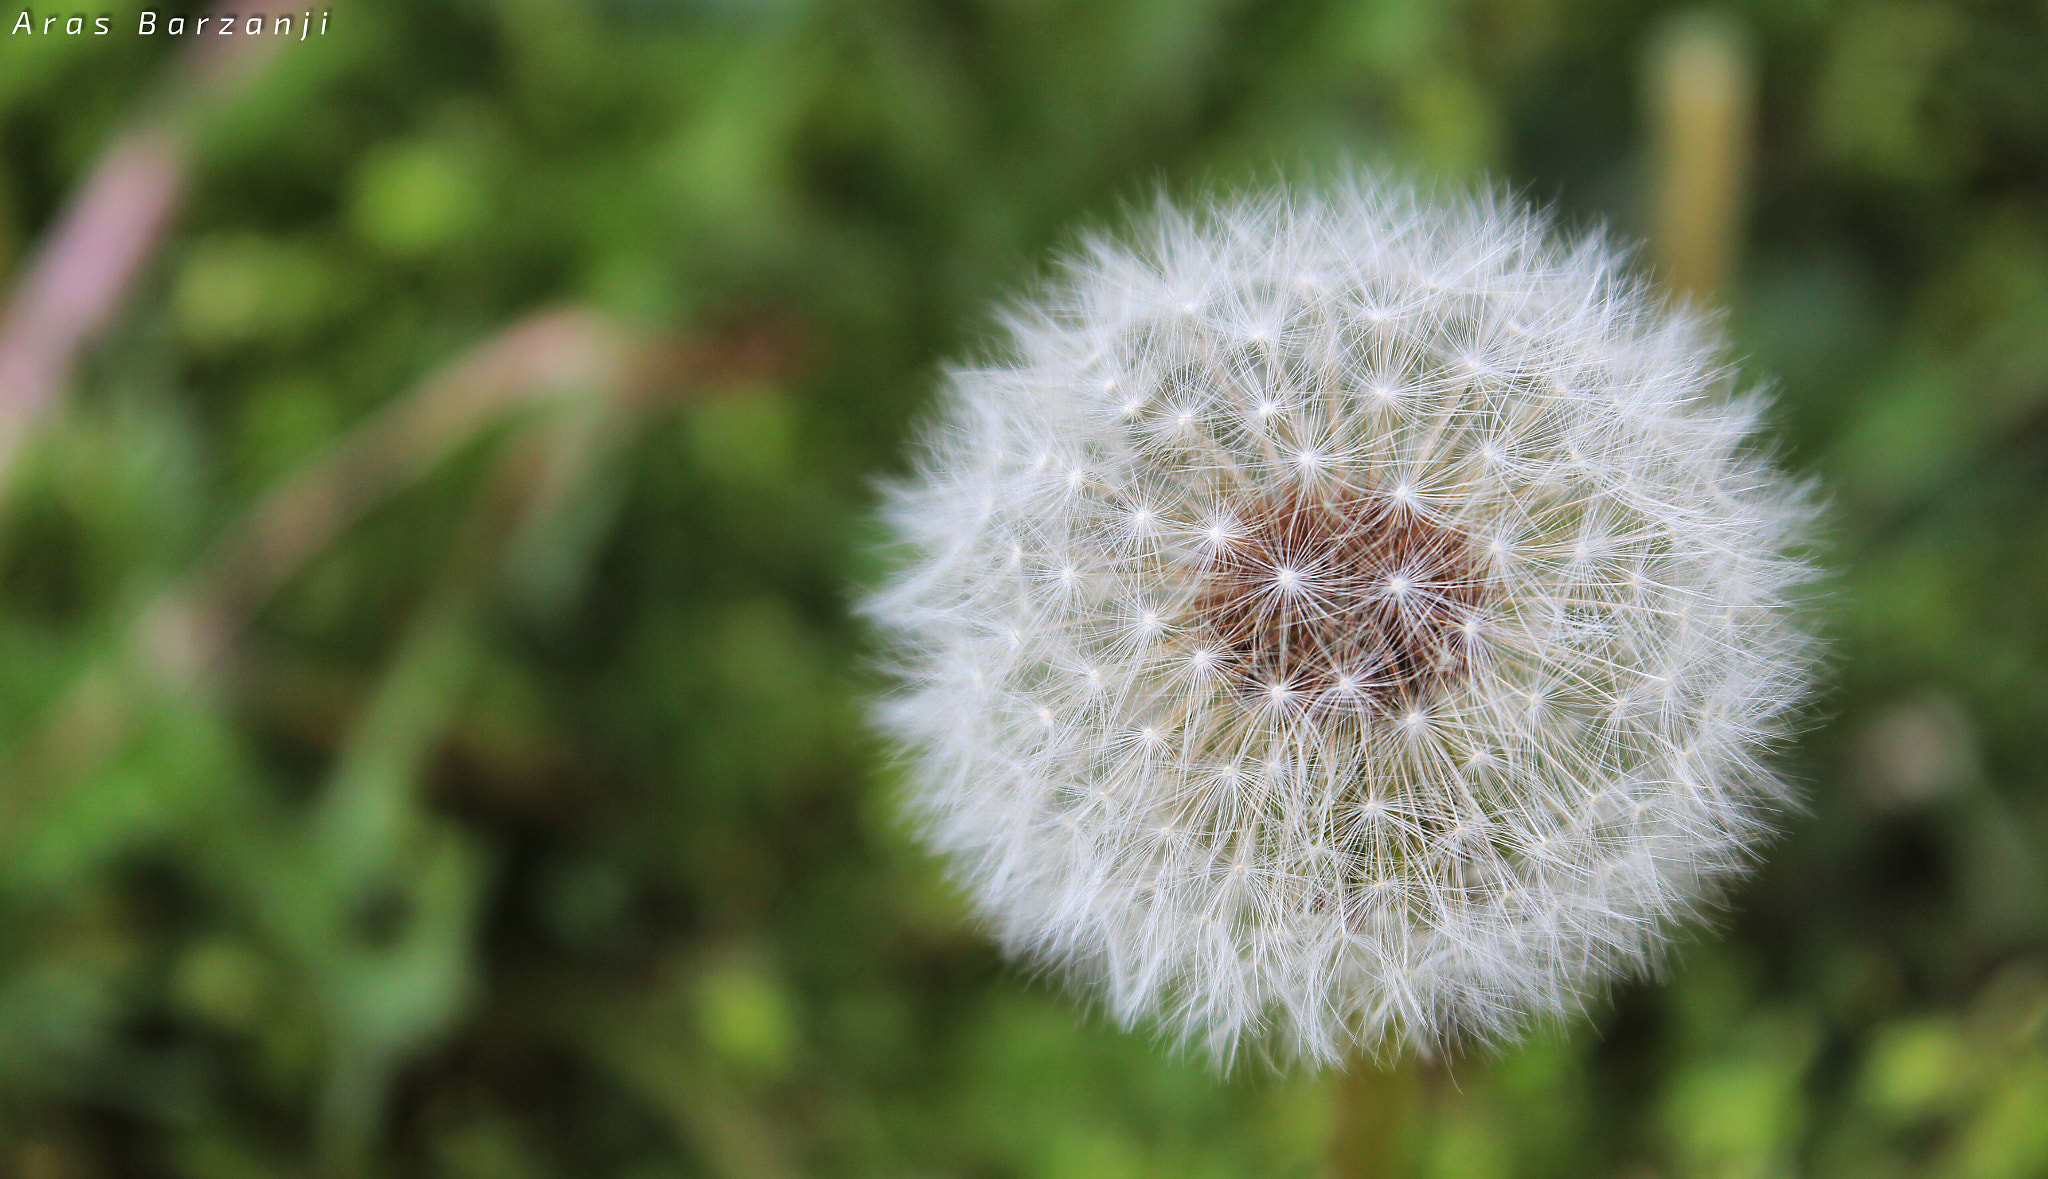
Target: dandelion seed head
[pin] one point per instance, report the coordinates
(1378, 620)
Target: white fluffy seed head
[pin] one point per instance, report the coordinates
(1343, 621)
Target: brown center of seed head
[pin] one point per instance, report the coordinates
(1349, 604)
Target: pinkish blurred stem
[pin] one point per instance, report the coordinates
(77, 279)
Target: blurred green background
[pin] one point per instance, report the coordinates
(430, 718)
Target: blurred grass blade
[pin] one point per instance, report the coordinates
(1701, 93)
(181, 638)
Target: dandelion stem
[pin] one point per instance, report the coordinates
(1378, 1110)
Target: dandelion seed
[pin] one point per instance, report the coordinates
(1402, 780)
